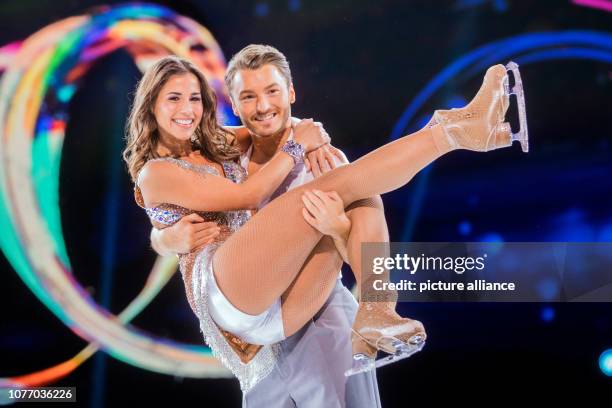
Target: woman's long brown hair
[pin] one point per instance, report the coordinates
(142, 135)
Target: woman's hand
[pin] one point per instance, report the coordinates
(324, 211)
(310, 134)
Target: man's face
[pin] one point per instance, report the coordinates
(262, 100)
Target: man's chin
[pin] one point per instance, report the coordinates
(266, 131)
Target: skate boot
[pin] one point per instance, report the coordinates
(379, 327)
(480, 126)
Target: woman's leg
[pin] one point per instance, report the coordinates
(257, 264)
(315, 281)
(368, 224)
(312, 286)
(376, 314)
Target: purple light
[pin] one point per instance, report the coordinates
(597, 4)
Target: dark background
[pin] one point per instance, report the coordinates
(356, 66)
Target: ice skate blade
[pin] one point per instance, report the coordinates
(522, 135)
(362, 363)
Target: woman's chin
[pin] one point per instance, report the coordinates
(182, 136)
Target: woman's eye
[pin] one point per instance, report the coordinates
(196, 99)
(174, 98)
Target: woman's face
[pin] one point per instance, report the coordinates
(178, 108)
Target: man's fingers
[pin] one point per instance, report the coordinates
(206, 239)
(321, 156)
(307, 164)
(309, 218)
(205, 224)
(316, 199)
(339, 154)
(311, 159)
(334, 196)
(308, 204)
(193, 217)
(307, 199)
(202, 226)
(206, 234)
(330, 196)
(316, 168)
(322, 162)
(318, 163)
(329, 157)
(325, 200)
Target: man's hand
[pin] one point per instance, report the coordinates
(189, 233)
(323, 159)
(324, 211)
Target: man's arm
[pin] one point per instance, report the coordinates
(157, 243)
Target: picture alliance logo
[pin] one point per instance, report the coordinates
(412, 264)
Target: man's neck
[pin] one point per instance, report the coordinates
(264, 148)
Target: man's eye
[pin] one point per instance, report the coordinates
(244, 98)
(274, 91)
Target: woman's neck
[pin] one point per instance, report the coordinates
(169, 146)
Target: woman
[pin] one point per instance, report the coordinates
(181, 160)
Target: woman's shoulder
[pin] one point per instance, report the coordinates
(160, 177)
(167, 167)
(157, 167)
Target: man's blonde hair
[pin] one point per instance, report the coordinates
(255, 56)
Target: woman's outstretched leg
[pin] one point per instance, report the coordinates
(259, 262)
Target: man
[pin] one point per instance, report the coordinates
(310, 369)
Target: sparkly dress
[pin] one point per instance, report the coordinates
(248, 362)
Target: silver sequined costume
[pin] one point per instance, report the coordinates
(196, 270)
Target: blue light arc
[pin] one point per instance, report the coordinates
(524, 49)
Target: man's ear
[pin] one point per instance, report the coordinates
(234, 109)
(291, 94)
